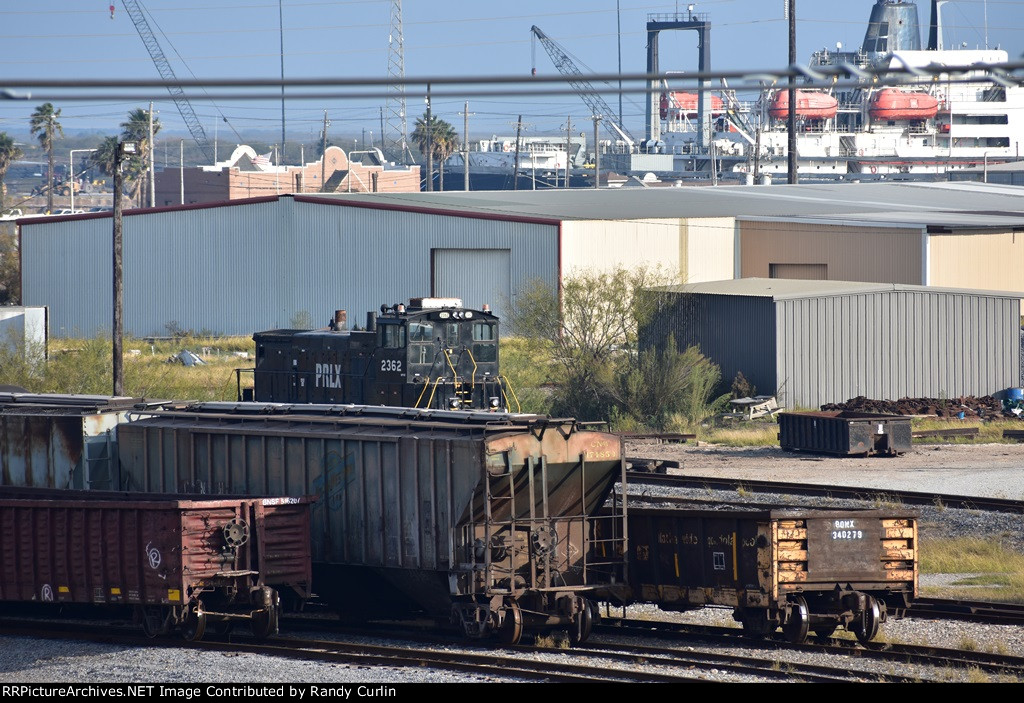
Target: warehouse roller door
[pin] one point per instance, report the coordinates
(477, 276)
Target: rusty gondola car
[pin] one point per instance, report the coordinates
(484, 518)
(810, 570)
(182, 562)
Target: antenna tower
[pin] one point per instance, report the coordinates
(396, 146)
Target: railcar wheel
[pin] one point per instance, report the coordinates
(193, 627)
(511, 630)
(582, 625)
(866, 626)
(264, 623)
(799, 621)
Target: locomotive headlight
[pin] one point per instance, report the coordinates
(469, 314)
(454, 403)
(494, 401)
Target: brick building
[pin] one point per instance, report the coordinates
(245, 174)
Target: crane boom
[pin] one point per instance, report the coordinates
(567, 67)
(167, 73)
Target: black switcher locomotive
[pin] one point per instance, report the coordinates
(432, 353)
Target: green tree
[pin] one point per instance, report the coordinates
(589, 330)
(441, 141)
(10, 269)
(45, 126)
(105, 156)
(9, 153)
(136, 129)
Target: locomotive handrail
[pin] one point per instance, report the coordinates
(472, 385)
(508, 385)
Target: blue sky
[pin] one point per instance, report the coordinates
(68, 39)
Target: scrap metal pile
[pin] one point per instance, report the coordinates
(962, 407)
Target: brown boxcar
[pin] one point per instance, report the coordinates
(181, 561)
(806, 570)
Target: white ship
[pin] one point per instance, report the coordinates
(542, 162)
(926, 130)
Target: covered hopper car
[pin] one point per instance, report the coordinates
(181, 562)
(804, 570)
(432, 353)
(483, 518)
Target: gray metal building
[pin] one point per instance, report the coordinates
(247, 265)
(815, 342)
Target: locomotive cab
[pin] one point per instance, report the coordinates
(445, 355)
(431, 353)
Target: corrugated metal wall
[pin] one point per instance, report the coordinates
(989, 261)
(710, 248)
(607, 244)
(852, 253)
(477, 276)
(736, 332)
(256, 266)
(893, 344)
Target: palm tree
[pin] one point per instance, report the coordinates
(136, 129)
(442, 140)
(9, 153)
(105, 155)
(44, 124)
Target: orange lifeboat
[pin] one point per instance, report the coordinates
(686, 103)
(810, 104)
(893, 104)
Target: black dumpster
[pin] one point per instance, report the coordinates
(844, 432)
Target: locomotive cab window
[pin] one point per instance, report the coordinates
(392, 336)
(483, 332)
(421, 331)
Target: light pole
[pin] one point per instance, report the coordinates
(123, 149)
(71, 174)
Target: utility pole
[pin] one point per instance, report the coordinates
(791, 120)
(568, 147)
(323, 156)
(117, 340)
(152, 172)
(181, 163)
(430, 146)
(465, 146)
(280, 21)
(597, 152)
(515, 170)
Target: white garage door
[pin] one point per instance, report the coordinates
(477, 276)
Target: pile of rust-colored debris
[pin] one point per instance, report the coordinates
(970, 406)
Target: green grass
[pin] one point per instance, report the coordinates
(989, 432)
(84, 366)
(993, 570)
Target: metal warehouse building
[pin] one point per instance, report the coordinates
(815, 342)
(242, 266)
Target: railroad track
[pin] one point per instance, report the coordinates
(612, 656)
(972, 611)
(823, 490)
(999, 664)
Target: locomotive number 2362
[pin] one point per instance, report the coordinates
(391, 365)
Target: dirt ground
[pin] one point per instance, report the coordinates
(989, 470)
